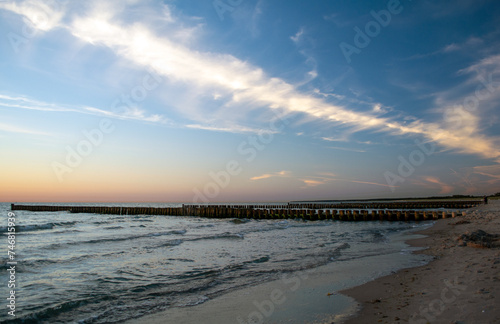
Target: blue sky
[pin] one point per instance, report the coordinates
(240, 100)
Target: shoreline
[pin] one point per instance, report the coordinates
(459, 286)
(306, 296)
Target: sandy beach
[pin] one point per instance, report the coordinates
(460, 285)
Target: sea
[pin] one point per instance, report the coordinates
(91, 268)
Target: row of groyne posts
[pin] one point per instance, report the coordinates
(396, 211)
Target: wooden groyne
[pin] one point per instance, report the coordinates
(458, 204)
(342, 212)
(167, 211)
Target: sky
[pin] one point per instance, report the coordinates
(248, 100)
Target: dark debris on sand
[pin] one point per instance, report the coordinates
(479, 239)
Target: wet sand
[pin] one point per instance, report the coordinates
(308, 296)
(461, 285)
(458, 286)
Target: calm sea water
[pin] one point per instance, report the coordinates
(90, 268)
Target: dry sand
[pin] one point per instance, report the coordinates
(460, 285)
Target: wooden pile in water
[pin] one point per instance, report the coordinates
(398, 211)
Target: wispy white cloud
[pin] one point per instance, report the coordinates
(371, 183)
(470, 44)
(468, 108)
(467, 45)
(335, 139)
(249, 87)
(464, 178)
(40, 15)
(324, 178)
(296, 38)
(487, 176)
(444, 188)
(346, 149)
(451, 48)
(327, 174)
(318, 180)
(326, 95)
(312, 182)
(282, 174)
(20, 102)
(482, 69)
(256, 17)
(379, 109)
(490, 171)
(132, 113)
(304, 49)
(228, 129)
(477, 180)
(21, 130)
(31, 104)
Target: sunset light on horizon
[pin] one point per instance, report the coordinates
(248, 101)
